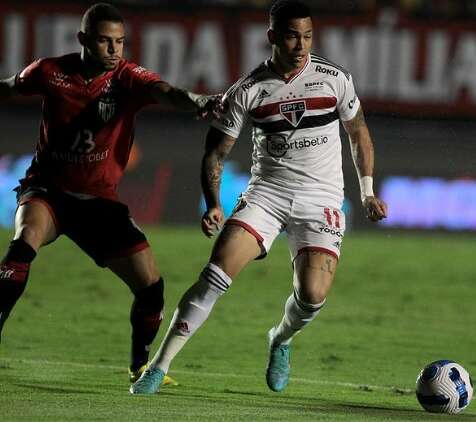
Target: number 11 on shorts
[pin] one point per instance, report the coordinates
(333, 222)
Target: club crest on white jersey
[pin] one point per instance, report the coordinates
(295, 124)
(293, 112)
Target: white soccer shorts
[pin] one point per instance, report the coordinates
(265, 211)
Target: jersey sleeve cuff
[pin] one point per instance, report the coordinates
(226, 130)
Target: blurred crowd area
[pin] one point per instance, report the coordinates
(439, 9)
(423, 9)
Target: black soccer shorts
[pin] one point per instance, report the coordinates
(102, 228)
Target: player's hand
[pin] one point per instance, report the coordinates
(375, 208)
(212, 221)
(209, 104)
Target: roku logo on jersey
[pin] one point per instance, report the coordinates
(326, 70)
(278, 147)
(249, 84)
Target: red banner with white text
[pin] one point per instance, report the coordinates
(400, 66)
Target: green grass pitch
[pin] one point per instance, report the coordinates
(399, 302)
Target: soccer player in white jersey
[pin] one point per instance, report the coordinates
(294, 101)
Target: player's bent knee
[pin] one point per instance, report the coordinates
(314, 290)
(138, 270)
(311, 303)
(149, 279)
(30, 235)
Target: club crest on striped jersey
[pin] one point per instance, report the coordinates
(107, 104)
(106, 108)
(293, 111)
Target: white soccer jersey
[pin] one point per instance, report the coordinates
(296, 142)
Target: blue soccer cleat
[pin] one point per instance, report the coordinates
(149, 382)
(135, 375)
(277, 373)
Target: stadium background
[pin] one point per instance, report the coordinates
(402, 298)
(414, 65)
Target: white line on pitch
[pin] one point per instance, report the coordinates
(212, 374)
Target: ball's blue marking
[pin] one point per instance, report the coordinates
(460, 385)
(429, 372)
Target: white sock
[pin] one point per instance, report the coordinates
(192, 311)
(297, 314)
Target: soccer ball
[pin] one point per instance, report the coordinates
(444, 387)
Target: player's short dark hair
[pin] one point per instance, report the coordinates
(99, 12)
(283, 10)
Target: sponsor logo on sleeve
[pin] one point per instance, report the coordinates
(352, 102)
(60, 80)
(223, 119)
(226, 122)
(139, 70)
(248, 85)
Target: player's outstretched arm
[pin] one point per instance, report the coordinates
(7, 88)
(218, 146)
(362, 150)
(182, 100)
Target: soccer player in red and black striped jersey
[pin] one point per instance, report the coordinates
(90, 100)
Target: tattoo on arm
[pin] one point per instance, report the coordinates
(213, 169)
(359, 117)
(360, 144)
(218, 147)
(352, 126)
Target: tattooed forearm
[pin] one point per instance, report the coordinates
(212, 169)
(214, 174)
(217, 147)
(362, 154)
(360, 144)
(356, 123)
